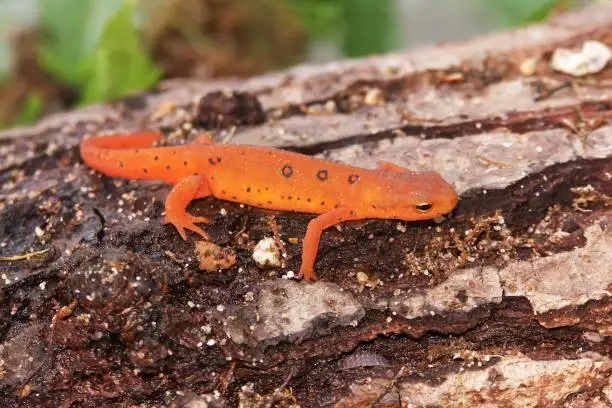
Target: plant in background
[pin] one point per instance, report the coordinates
(518, 12)
(82, 52)
(362, 26)
(118, 64)
(94, 48)
(207, 39)
(31, 111)
(107, 67)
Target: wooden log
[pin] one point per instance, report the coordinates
(507, 303)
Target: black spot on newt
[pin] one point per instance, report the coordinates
(353, 178)
(156, 158)
(322, 175)
(287, 171)
(214, 160)
(248, 189)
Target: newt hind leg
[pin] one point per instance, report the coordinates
(184, 191)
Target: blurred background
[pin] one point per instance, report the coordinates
(57, 54)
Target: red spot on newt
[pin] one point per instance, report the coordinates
(266, 178)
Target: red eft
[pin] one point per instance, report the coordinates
(270, 178)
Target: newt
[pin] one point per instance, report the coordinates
(272, 179)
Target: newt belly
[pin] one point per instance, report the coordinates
(273, 179)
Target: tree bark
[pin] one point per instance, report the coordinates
(505, 303)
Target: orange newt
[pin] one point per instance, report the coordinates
(273, 179)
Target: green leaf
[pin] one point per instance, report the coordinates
(365, 26)
(64, 23)
(369, 27)
(321, 17)
(541, 13)
(71, 29)
(119, 63)
(518, 12)
(31, 111)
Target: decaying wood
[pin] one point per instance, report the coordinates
(507, 303)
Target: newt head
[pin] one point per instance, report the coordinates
(412, 196)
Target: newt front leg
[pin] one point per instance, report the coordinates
(315, 228)
(184, 191)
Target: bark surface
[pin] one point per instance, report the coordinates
(506, 303)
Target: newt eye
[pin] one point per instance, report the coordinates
(423, 207)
